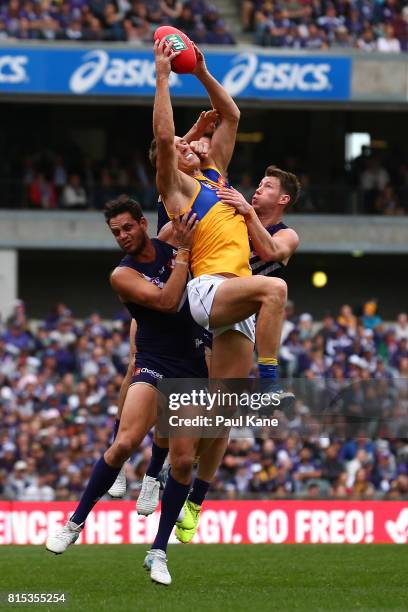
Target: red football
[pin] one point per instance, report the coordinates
(186, 61)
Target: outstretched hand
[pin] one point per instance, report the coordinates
(201, 66)
(164, 54)
(207, 121)
(184, 229)
(231, 196)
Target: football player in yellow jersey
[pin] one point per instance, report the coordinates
(223, 294)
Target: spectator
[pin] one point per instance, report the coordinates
(74, 195)
(171, 9)
(219, 35)
(366, 41)
(186, 20)
(113, 23)
(388, 203)
(42, 192)
(388, 43)
(315, 38)
(401, 328)
(136, 26)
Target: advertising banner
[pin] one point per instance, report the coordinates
(222, 522)
(80, 71)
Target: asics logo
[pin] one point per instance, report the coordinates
(100, 67)
(12, 68)
(274, 75)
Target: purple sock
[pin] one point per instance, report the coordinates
(115, 430)
(102, 478)
(174, 496)
(199, 491)
(157, 461)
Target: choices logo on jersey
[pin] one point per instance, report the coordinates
(114, 72)
(253, 71)
(13, 69)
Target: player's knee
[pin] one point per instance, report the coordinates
(275, 292)
(182, 464)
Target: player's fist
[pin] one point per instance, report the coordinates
(200, 148)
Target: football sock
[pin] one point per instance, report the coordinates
(157, 461)
(102, 478)
(199, 491)
(174, 496)
(268, 368)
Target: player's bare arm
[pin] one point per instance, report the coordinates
(132, 287)
(279, 247)
(223, 140)
(170, 181)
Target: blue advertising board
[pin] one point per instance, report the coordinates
(118, 72)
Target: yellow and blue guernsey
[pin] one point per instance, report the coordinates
(221, 242)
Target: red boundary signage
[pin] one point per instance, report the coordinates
(222, 522)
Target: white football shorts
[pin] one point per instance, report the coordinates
(201, 293)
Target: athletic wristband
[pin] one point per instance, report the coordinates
(183, 263)
(183, 249)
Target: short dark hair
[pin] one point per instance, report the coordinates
(153, 152)
(289, 182)
(120, 205)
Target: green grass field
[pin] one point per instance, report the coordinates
(213, 577)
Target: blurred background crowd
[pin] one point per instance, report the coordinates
(59, 384)
(133, 21)
(376, 182)
(366, 25)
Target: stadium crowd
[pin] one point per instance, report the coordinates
(132, 21)
(365, 25)
(59, 384)
(373, 183)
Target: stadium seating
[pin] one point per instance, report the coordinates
(60, 379)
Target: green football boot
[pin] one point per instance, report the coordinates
(187, 523)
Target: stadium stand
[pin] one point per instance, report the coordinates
(132, 21)
(378, 183)
(298, 24)
(303, 24)
(60, 378)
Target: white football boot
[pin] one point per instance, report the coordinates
(64, 537)
(118, 489)
(148, 560)
(158, 570)
(148, 499)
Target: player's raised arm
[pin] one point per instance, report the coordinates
(278, 247)
(163, 121)
(132, 287)
(223, 140)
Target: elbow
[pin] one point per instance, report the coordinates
(269, 255)
(233, 116)
(168, 305)
(164, 136)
